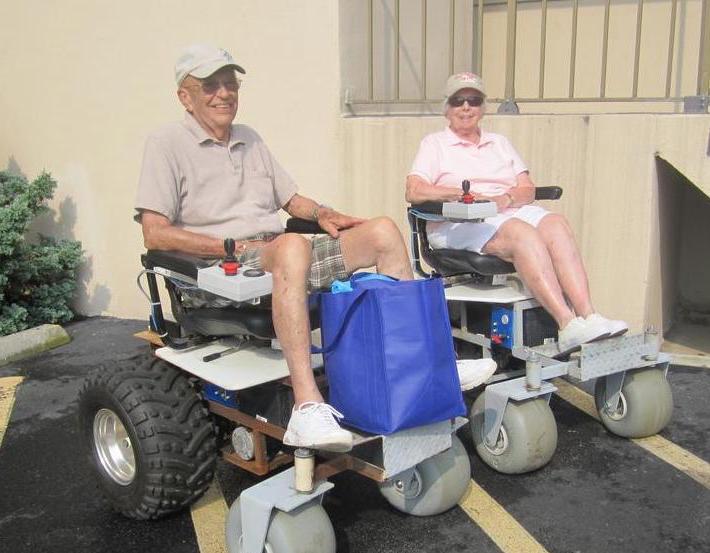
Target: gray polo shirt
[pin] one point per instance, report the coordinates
(204, 186)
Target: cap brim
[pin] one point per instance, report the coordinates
(210, 68)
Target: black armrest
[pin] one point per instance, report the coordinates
(303, 226)
(182, 263)
(429, 207)
(548, 192)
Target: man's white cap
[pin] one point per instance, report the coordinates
(201, 60)
(463, 80)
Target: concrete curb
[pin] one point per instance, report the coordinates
(31, 342)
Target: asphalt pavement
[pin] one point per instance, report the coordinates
(599, 493)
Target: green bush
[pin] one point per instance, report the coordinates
(37, 280)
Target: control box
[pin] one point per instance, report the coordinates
(239, 287)
(502, 327)
(476, 210)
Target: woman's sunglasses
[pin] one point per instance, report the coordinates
(473, 101)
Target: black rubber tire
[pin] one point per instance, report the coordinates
(527, 440)
(306, 529)
(647, 404)
(442, 481)
(171, 432)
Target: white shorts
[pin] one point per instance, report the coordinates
(473, 236)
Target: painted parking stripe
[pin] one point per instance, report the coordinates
(496, 522)
(7, 400)
(208, 516)
(683, 460)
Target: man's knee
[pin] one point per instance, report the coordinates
(383, 234)
(555, 221)
(290, 250)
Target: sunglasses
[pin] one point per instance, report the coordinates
(458, 101)
(210, 87)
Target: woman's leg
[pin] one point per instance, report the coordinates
(567, 262)
(521, 244)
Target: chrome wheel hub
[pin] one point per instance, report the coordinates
(113, 447)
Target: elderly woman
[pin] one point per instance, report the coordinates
(540, 244)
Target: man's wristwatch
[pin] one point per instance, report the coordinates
(314, 215)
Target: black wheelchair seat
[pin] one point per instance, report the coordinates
(450, 262)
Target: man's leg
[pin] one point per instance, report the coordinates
(288, 258)
(376, 242)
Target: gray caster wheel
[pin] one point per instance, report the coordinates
(527, 438)
(306, 529)
(645, 404)
(436, 484)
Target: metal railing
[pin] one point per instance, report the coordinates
(695, 99)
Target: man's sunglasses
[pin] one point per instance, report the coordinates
(211, 86)
(457, 101)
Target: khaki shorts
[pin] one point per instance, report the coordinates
(327, 262)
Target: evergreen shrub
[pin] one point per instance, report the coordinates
(38, 279)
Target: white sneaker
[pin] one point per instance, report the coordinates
(474, 372)
(615, 328)
(577, 332)
(313, 425)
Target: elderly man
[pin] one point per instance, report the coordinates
(205, 179)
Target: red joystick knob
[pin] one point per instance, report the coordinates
(467, 197)
(497, 339)
(230, 265)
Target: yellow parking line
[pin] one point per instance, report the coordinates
(497, 523)
(7, 399)
(208, 516)
(674, 455)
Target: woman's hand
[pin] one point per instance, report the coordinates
(503, 202)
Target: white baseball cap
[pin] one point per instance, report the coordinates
(458, 81)
(201, 60)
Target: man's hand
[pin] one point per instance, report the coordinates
(332, 221)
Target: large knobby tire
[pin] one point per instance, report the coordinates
(527, 438)
(645, 406)
(435, 485)
(306, 529)
(148, 437)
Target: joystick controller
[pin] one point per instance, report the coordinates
(467, 196)
(230, 265)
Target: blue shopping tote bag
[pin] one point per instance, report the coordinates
(388, 353)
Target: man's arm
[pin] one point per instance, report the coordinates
(160, 234)
(329, 220)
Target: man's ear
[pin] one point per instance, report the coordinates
(185, 99)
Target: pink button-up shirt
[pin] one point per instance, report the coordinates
(492, 165)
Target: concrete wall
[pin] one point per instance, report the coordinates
(86, 80)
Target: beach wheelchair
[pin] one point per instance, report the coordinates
(493, 315)
(216, 385)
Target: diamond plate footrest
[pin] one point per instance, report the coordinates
(615, 355)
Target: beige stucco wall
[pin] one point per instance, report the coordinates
(86, 80)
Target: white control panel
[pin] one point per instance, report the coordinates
(460, 210)
(240, 287)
